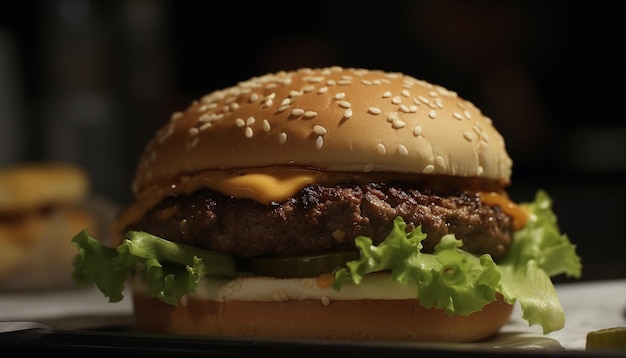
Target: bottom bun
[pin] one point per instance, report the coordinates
(398, 320)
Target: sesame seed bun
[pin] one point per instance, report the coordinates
(333, 119)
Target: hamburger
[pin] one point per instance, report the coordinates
(330, 203)
(41, 205)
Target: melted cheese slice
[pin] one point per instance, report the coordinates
(519, 214)
(266, 187)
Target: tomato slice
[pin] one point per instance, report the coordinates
(301, 266)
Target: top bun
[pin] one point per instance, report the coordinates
(333, 119)
(31, 185)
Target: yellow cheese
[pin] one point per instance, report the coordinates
(266, 186)
(519, 215)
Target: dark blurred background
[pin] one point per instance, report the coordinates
(88, 82)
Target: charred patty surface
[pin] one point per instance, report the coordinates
(320, 218)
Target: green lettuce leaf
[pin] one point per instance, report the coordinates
(449, 279)
(539, 251)
(170, 269)
(461, 283)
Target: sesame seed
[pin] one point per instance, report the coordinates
(344, 104)
(194, 142)
(202, 108)
(322, 90)
(347, 113)
(440, 161)
(439, 103)
(417, 131)
(387, 94)
(163, 137)
(417, 101)
(297, 111)
(308, 88)
(310, 114)
(240, 122)
(366, 82)
(457, 115)
(319, 142)
(479, 170)
(205, 126)
(234, 106)
(331, 82)
(266, 125)
(325, 300)
(253, 97)
(193, 131)
(402, 150)
(404, 109)
(282, 108)
(380, 148)
(397, 124)
(374, 110)
(396, 100)
(432, 94)
(423, 99)
(319, 130)
(339, 95)
(405, 93)
(467, 114)
(429, 169)
(432, 114)
(176, 115)
(250, 121)
(282, 138)
(344, 82)
(249, 132)
(393, 116)
(469, 136)
(294, 93)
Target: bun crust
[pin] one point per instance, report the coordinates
(333, 119)
(391, 320)
(29, 186)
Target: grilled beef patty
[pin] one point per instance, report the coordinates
(319, 219)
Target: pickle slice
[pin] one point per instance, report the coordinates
(608, 338)
(301, 266)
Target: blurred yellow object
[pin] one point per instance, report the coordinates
(608, 338)
(40, 211)
(32, 185)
